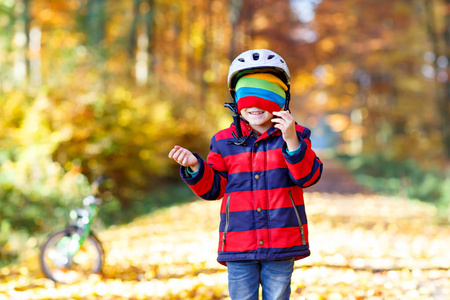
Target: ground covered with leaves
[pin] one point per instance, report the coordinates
(363, 247)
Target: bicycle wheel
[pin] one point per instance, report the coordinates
(58, 265)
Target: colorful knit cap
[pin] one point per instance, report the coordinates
(261, 90)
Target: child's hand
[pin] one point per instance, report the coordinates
(286, 123)
(184, 157)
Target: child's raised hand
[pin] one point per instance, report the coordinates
(184, 157)
(286, 123)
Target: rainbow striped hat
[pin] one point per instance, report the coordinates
(263, 90)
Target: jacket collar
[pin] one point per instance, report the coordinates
(248, 130)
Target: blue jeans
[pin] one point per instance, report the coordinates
(244, 278)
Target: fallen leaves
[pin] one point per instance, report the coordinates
(363, 247)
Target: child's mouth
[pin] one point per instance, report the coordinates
(253, 113)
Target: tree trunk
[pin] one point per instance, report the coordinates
(133, 30)
(205, 52)
(235, 12)
(441, 46)
(96, 22)
(20, 38)
(150, 23)
(445, 98)
(26, 25)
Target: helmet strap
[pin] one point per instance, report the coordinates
(241, 141)
(288, 99)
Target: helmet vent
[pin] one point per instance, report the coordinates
(255, 56)
(271, 56)
(241, 59)
(282, 61)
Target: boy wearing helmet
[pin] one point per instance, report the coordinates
(258, 167)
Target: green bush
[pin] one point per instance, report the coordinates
(34, 195)
(54, 142)
(402, 177)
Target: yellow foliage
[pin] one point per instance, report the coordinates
(327, 45)
(363, 246)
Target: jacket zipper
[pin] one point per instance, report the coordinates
(300, 225)
(227, 218)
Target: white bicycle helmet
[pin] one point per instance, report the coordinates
(258, 60)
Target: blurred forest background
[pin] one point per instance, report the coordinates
(91, 87)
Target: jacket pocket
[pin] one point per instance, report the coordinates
(227, 221)
(300, 224)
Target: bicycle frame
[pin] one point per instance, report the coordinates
(69, 246)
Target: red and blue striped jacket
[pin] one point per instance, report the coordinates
(262, 214)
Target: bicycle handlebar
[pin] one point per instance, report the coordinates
(95, 185)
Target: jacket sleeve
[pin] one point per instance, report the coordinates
(210, 181)
(305, 168)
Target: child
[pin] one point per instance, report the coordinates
(259, 167)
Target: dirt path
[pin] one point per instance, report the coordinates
(364, 247)
(337, 179)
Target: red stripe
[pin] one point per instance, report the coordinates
(299, 128)
(216, 161)
(238, 163)
(275, 160)
(263, 238)
(239, 241)
(204, 185)
(316, 174)
(253, 101)
(306, 232)
(304, 167)
(286, 237)
(261, 161)
(297, 195)
(282, 237)
(308, 143)
(240, 201)
(224, 134)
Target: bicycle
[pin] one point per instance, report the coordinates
(75, 252)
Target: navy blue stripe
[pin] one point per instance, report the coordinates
(278, 218)
(214, 191)
(275, 143)
(198, 177)
(306, 133)
(271, 179)
(238, 221)
(315, 167)
(318, 177)
(265, 253)
(232, 149)
(286, 217)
